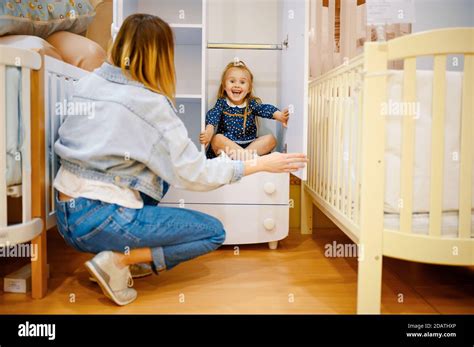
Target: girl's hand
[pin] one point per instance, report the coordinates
(282, 116)
(206, 136)
(276, 162)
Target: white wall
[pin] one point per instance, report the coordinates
(435, 14)
(245, 21)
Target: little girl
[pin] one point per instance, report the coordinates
(233, 120)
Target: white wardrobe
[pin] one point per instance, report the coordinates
(256, 209)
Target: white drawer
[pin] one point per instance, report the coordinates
(261, 188)
(249, 223)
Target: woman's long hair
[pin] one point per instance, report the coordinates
(144, 50)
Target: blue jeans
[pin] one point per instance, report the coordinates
(173, 234)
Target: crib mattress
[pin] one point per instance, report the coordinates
(420, 223)
(422, 167)
(452, 127)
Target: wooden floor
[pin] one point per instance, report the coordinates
(296, 278)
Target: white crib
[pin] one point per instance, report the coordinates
(20, 62)
(351, 149)
(29, 139)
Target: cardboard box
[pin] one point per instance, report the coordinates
(19, 281)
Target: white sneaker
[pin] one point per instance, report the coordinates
(114, 281)
(137, 271)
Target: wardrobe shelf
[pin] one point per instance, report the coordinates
(185, 26)
(188, 98)
(187, 34)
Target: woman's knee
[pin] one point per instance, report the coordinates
(219, 238)
(218, 231)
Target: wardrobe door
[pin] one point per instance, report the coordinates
(294, 74)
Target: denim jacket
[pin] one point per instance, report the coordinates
(133, 138)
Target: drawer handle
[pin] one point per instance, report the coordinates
(269, 188)
(269, 224)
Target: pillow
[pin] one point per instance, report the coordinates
(31, 42)
(99, 29)
(78, 50)
(44, 17)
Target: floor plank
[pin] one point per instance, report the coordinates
(295, 278)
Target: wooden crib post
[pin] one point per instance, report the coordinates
(306, 210)
(39, 275)
(369, 287)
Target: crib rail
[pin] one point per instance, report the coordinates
(30, 227)
(340, 117)
(334, 150)
(59, 79)
(439, 44)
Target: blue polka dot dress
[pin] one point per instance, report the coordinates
(238, 123)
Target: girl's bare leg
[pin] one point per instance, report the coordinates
(263, 144)
(220, 143)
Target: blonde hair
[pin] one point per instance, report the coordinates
(144, 50)
(239, 65)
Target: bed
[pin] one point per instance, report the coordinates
(33, 86)
(398, 182)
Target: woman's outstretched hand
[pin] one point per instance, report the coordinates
(276, 162)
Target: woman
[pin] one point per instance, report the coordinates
(117, 161)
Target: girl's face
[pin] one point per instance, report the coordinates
(237, 85)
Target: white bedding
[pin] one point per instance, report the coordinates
(421, 179)
(420, 223)
(13, 120)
